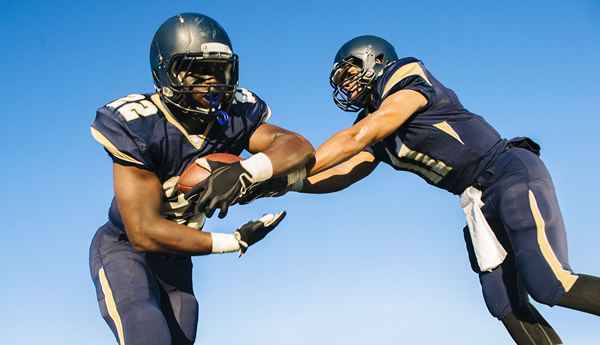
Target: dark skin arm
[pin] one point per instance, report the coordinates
(138, 194)
(393, 113)
(330, 180)
(287, 150)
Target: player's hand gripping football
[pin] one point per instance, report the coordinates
(256, 230)
(221, 189)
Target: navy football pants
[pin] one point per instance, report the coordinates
(522, 209)
(145, 299)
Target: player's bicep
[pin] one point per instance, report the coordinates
(138, 193)
(264, 136)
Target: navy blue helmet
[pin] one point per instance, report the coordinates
(191, 55)
(357, 64)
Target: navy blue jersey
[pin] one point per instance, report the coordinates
(444, 143)
(140, 130)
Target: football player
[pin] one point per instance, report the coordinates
(140, 259)
(409, 120)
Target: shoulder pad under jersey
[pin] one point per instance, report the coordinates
(124, 127)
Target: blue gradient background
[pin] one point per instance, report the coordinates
(380, 263)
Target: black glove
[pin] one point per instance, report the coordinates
(254, 231)
(221, 189)
(274, 187)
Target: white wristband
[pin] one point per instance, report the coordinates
(224, 243)
(259, 166)
(295, 179)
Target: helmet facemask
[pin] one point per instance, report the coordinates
(353, 78)
(351, 84)
(202, 84)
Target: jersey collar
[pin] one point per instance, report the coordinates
(197, 140)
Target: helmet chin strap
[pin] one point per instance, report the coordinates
(214, 110)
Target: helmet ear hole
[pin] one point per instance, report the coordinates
(379, 58)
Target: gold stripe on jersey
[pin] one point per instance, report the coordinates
(111, 305)
(112, 148)
(430, 169)
(413, 68)
(196, 140)
(421, 171)
(434, 165)
(446, 128)
(566, 278)
(174, 205)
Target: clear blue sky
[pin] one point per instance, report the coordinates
(379, 263)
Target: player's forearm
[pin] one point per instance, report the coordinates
(392, 114)
(337, 149)
(161, 235)
(289, 151)
(342, 175)
(332, 184)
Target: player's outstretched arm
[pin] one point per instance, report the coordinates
(331, 180)
(276, 151)
(138, 194)
(342, 175)
(394, 111)
(341, 161)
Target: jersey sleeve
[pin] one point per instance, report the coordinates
(409, 74)
(124, 147)
(257, 112)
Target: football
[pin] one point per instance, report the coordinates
(199, 170)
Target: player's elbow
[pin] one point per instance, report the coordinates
(364, 137)
(143, 245)
(355, 142)
(305, 151)
(140, 240)
(299, 150)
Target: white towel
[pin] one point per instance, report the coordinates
(488, 250)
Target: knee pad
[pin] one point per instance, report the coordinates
(540, 282)
(548, 298)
